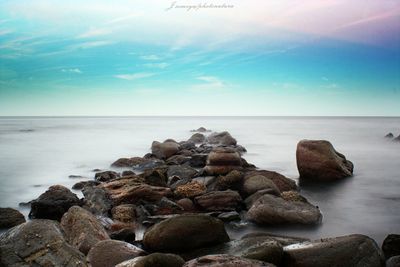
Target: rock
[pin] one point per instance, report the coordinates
(293, 196)
(224, 260)
(128, 162)
(187, 145)
(130, 191)
(256, 183)
(186, 204)
(282, 240)
(149, 165)
(183, 172)
(198, 160)
(38, 243)
(222, 161)
(233, 180)
(82, 230)
(81, 185)
(197, 138)
(166, 206)
(164, 150)
(154, 260)
(96, 200)
(109, 253)
(125, 234)
(222, 138)
(127, 173)
(269, 209)
(201, 130)
(53, 203)
(10, 217)
(219, 200)
(190, 189)
(351, 250)
(124, 213)
(389, 135)
(249, 201)
(156, 177)
(229, 216)
(391, 245)
(75, 176)
(283, 183)
(393, 262)
(177, 160)
(106, 176)
(397, 139)
(319, 161)
(185, 232)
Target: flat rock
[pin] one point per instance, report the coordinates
(10, 217)
(224, 260)
(191, 189)
(219, 200)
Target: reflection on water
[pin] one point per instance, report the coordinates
(38, 152)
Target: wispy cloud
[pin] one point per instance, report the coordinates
(86, 45)
(75, 70)
(4, 32)
(150, 57)
(122, 18)
(208, 83)
(95, 32)
(161, 65)
(134, 76)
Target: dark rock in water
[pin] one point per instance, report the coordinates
(204, 149)
(156, 177)
(351, 250)
(190, 189)
(26, 130)
(154, 260)
(198, 160)
(81, 185)
(197, 138)
(128, 162)
(109, 253)
(222, 161)
(53, 203)
(75, 176)
(164, 150)
(318, 160)
(219, 200)
(38, 243)
(201, 130)
(391, 245)
(10, 217)
(222, 138)
(393, 262)
(177, 160)
(283, 183)
(389, 135)
(185, 232)
(255, 183)
(249, 201)
(124, 213)
(127, 173)
(82, 230)
(282, 240)
(183, 172)
(269, 209)
(224, 260)
(233, 180)
(96, 200)
(126, 235)
(106, 176)
(149, 165)
(397, 139)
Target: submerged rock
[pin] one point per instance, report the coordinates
(351, 250)
(318, 160)
(391, 245)
(38, 243)
(224, 260)
(154, 260)
(10, 217)
(185, 232)
(201, 130)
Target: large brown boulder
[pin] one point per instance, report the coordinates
(222, 138)
(223, 160)
(82, 230)
(318, 160)
(154, 260)
(128, 162)
(224, 260)
(282, 182)
(109, 253)
(10, 217)
(344, 251)
(219, 200)
(197, 138)
(164, 150)
(38, 243)
(270, 210)
(185, 232)
(53, 203)
(256, 183)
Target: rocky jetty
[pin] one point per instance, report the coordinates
(182, 195)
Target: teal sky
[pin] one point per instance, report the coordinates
(262, 57)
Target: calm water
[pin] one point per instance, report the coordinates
(38, 152)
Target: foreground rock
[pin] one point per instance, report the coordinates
(255, 183)
(10, 217)
(222, 160)
(351, 250)
(391, 246)
(82, 230)
(185, 232)
(318, 160)
(38, 243)
(109, 253)
(224, 260)
(269, 209)
(154, 260)
(53, 203)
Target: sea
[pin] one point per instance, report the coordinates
(37, 152)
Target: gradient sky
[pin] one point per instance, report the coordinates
(260, 57)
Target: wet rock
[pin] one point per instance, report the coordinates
(124, 213)
(109, 253)
(233, 180)
(82, 230)
(53, 203)
(186, 204)
(164, 150)
(391, 245)
(128, 162)
(222, 161)
(281, 239)
(149, 165)
(351, 250)
(187, 145)
(125, 234)
(219, 200)
(393, 262)
(127, 173)
(249, 201)
(131, 190)
(293, 196)
(283, 183)
(269, 209)
(106, 176)
(198, 160)
(38, 243)
(201, 130)
(319, 161)
(154, 260)
(156, 177)
(177, 160)
(190, 189)
(224, 260)
(397, 139)
(167, 206)
(204, 149)
(96, 200)
(75, 176)
(183, 172)
(197, 138)
(389, 135)
(255, 183)
(229, 216)
(185, 232)
(10, 217)
(81, 185)
(222, 138)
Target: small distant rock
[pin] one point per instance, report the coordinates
(201, 130)
(389, 135)
(10, 217)
(75, 176)
(128, 162)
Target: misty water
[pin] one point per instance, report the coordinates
(36, 153)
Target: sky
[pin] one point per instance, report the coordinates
(200, 57)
